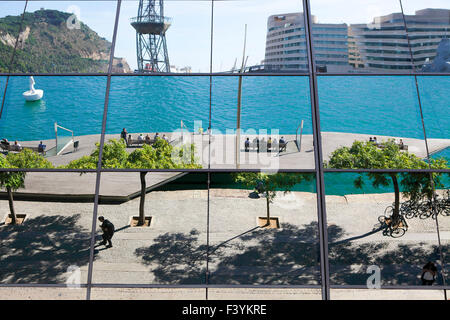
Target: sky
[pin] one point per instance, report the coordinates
(189, 37)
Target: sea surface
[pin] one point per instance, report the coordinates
(370, 105)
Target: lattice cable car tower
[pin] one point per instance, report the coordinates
(151, 26)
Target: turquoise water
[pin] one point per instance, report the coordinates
(372, 105)
(442, 154)
(335, 183)
(73, 102)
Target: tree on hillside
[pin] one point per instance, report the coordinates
(160, 155)
(269, 184)
(366, 155)
(13, 180)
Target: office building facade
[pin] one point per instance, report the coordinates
(286, 44)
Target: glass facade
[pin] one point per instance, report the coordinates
(239, 150)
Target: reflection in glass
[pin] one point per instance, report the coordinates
(245, 249)
(365, 109)
(434, 95)
(275, 36)
(179, 45)
(274, 122)
(60, 37)
(377, 39)
(365, 237)
(158, 122)
(44, 240)
(61, 127)
(10, 16)
(170, 248)
(429, 33)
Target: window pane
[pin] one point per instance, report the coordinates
(66, 122)
(20, 293)
(366, 36)
(244, 251)
(59, 36)
(275, 36)
(272, 107)
(435, 102)
(356, 110)
(384, 294)
(429, 31)
(442, 211)
(2, 86)
(172, 249)
(49, 244)
(174, 36)
(10, 15)
(147, 294)
(153, 110)
(375, 239)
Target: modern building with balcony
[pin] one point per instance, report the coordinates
(286, 44)
(383, 44)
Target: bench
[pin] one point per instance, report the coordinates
(20, 148)
(35, 149)
(266, 147)
(401, 147)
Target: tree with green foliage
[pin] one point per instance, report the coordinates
(268, 184)
(366, 155)
(13, 180)
(159, 155)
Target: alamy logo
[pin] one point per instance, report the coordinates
(73, 22)
(74, 277)
(374, 281)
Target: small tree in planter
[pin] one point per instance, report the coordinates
(12, 181)
(366, 155)
(160, 155)
(269, 184)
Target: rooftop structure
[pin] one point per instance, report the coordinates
(151, 26)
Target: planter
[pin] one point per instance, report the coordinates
(134, 222)
(274, 222)
(20, 219)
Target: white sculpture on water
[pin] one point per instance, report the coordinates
(33, 94)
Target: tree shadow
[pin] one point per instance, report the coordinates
(176, 258)
(41, 250)
(288, 256)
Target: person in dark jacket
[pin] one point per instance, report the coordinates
(124, 134)
(429, 272)
(108, 231)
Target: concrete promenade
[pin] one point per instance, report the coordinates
(223, 150)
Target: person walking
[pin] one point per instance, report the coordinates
(429, 272)
(108, 231)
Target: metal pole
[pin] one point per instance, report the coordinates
(433, 187)
(56, 137)
(238, 120)
(320, 184)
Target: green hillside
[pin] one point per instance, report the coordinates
(47, 46)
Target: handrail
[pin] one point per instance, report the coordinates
(299, 144)
(151, 18)
(56, 138)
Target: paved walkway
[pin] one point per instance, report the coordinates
(172, 250)
(117, 186)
